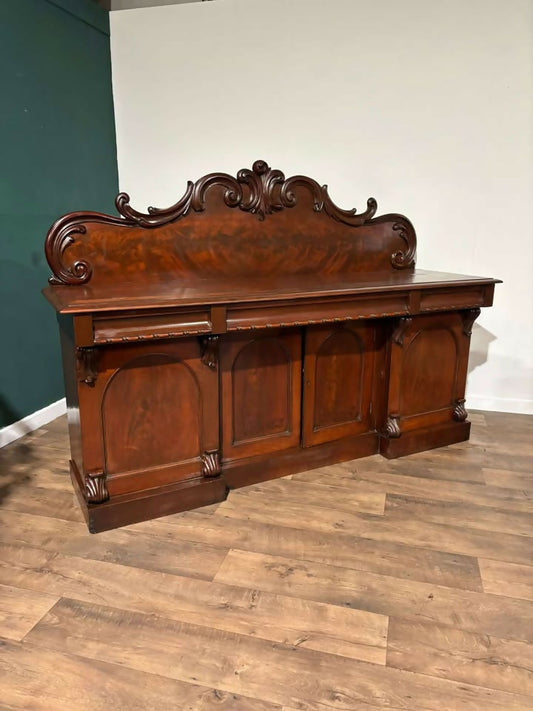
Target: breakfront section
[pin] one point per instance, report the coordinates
(427, 381)
(143, 417)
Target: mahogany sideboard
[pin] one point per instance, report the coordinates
(251, 330)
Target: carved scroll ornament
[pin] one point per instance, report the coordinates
(459, 412)
(392, 427)
(468, 320)
(261, 191)
(211, 463)
(399, 332)
(95, 487)
(86, 365)
(210, 351)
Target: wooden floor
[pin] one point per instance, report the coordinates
(368, 585)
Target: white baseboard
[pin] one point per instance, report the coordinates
(499, 404)
(32, 422)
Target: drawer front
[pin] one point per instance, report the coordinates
(118, 328)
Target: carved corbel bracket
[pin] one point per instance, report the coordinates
(95, 487)
(86, 365)
(468, 320)
(399, 332)
(459, 412)
(392, 427)
(210, 351)
(211, 463)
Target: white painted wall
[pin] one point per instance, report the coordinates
(426, 106)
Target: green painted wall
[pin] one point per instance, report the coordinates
(57, 154)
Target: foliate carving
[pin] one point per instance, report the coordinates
(459, 412)
(210, 351)
(468, 320)
(392, 427)
(260, 191)
(95, 487)
(399, 332)
(86, 365)
(211, 463)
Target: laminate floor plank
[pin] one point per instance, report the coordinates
(279, 674)
(335, 548)
(509, 479)
(460, 513)
(41, 679)
(405, 485)
(122, 546)
(20, 610)
(420, 602)
(507, 578)
(358, 634)
(424, 534)
(463, 656)
(56, 503)
(352, 499)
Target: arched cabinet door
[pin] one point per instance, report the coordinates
(338, 379)
(151, 415)
(261, 389)
(426, 396)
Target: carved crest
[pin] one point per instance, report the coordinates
(260, 191)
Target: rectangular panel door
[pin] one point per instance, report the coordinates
(261, 390)
(338, 380)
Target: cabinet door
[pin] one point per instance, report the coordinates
(429, 358)
(149, 414)
(338, 377)
(261, 390)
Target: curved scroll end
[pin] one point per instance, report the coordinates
(392, 427)
(95, 487)
(155, 217)
(404, 258)
(60, 236)
(459, 412)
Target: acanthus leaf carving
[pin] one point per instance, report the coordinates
(399, 332)
(211, 463)
(459, 411)
(392, 427)
(86, 365)
(469, 317)
(96, 487)
(210, 351)
(260, 191)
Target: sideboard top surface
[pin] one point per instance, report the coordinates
(227, 290)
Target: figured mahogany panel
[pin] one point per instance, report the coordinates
(259, 223)
(338, 374)
(151, 414)
(261, 386)
(429, 371)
